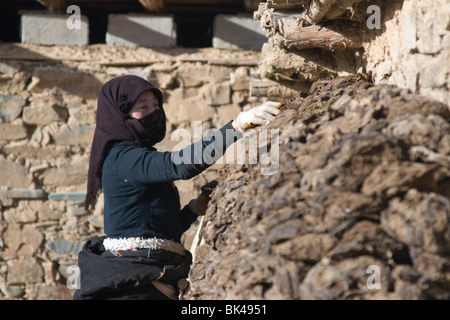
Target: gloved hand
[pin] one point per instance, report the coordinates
(260, 115)
(199, 204)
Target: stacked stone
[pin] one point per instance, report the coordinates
(414, 52)
(47, 110)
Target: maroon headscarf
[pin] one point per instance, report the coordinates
(114, 125)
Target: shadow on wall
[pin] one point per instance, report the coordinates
(52, 73)
(387, 13)
(233, 32)
(142, 30)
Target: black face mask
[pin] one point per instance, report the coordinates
(150, 129)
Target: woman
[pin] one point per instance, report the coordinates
(141, 256)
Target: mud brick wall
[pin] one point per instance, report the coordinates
(412, 49)
(403, 43)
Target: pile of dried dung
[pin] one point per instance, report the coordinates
(358, 208)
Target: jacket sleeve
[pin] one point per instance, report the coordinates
(187, 217)
(146, 167)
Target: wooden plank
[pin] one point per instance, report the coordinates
(287, 4)
(337, 35)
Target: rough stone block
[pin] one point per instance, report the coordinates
(218, 94)
(225, 114)
(53, 29)
(141, 30)
(4, 200)
(240, 79)
(24, 271)
(195, 108)
(66, 78)
(43, 115)
(74, 134)
(22, 240)
(84, 114)
(76, 212)
(70, 196)
(63, 246)
(10, 107)
(10, 131)
(73, 173)
(14, 175)
(238, 32)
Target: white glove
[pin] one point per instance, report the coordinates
(260, 115)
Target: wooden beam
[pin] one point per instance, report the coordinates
(287, 4)
(156, 6)
(311, 12)
(294, 34)
(336, 35)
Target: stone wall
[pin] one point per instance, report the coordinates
(404, 43)
(47, 111)
(412, 49)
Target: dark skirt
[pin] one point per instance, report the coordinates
(127, 274)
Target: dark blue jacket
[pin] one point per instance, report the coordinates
(141, 199)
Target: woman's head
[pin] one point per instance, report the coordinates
(145, 104)
(129, 109)
(122, 93)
